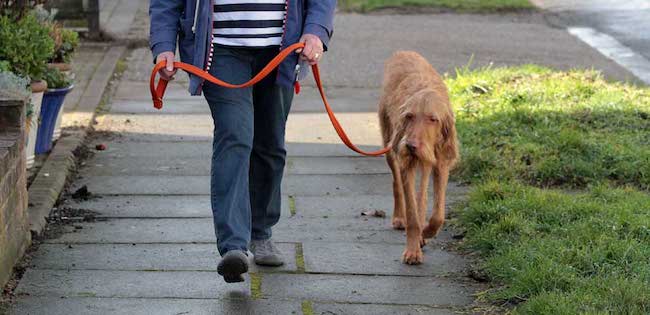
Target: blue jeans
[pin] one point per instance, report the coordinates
(248, 154)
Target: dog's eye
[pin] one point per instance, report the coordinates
(409, 116)
(433, 119)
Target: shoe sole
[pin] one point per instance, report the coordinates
(232, 269)
(266, 263)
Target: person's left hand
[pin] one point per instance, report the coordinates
(313, 50)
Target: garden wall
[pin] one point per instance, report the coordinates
(14, 227)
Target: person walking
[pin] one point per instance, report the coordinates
(234, 40)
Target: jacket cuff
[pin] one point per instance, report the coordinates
(320, 31)
(161, 47)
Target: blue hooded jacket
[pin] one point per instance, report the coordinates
(175, 22)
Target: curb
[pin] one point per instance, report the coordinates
(51, 179)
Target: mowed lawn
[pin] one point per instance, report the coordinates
(455, 5)
(560, 207)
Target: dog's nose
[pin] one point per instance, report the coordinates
(411, 146)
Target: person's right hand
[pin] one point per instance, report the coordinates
(168, 72)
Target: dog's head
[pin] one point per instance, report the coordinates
(426, 129)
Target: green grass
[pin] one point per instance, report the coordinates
(455, 5)
(546, 128)
(563, 253)
(527, 135)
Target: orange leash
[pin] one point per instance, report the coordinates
(158, 91)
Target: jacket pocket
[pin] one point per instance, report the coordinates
(186, 40)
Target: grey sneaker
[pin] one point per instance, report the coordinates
(233, 264)
(265, 253)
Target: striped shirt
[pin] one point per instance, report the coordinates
(248, 23)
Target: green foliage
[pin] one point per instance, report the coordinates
(456, 5)
(56, 79)
(25, 45)
(5, 66)
(562, 253)
(65, 43)
(545, 128)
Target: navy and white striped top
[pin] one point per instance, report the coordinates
(248, 23)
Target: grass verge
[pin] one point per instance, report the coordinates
(475, 6)
(559, 253)
(547, 128)
(528, 134)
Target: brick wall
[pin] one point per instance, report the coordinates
(14, 227)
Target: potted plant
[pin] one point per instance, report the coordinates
(65, 44)
(59, 87)
(26, 47)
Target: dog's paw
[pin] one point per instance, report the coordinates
(412, 256)
(423, 242)
(429, 232)
(399, 223)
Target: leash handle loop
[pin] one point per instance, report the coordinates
(158, 90)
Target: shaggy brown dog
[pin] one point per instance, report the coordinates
(417, 121)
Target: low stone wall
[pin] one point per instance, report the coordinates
(14, 227)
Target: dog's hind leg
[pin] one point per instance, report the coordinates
(399, 220)
(413, 253)
(440, 179)
(425, 176)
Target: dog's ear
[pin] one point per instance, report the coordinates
(448, 146)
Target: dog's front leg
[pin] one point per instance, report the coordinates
(413, 253)
(423, 192)
(399, 221)
(440, 179)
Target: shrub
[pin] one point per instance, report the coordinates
(56, 79)
(65, 43)
(26, 45)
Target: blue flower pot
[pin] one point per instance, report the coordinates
(52, 102)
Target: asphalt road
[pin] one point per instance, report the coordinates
(626, 20)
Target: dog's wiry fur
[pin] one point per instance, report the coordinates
(417, 121)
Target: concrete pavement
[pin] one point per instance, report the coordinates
(150, 248)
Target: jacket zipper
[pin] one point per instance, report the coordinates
(210, 50)
(196, 15)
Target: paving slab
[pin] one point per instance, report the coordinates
(178, 230)
(362, 128)
(106, 164)
(28, 305)
(139, 90)
(368, 289)
(153, 206)
(370, 309)
(341, 99)
(129, 284)
(296, 185)
(120, 148)
(118, 22)
(141, 257)
(377, 259)
(353, 206)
